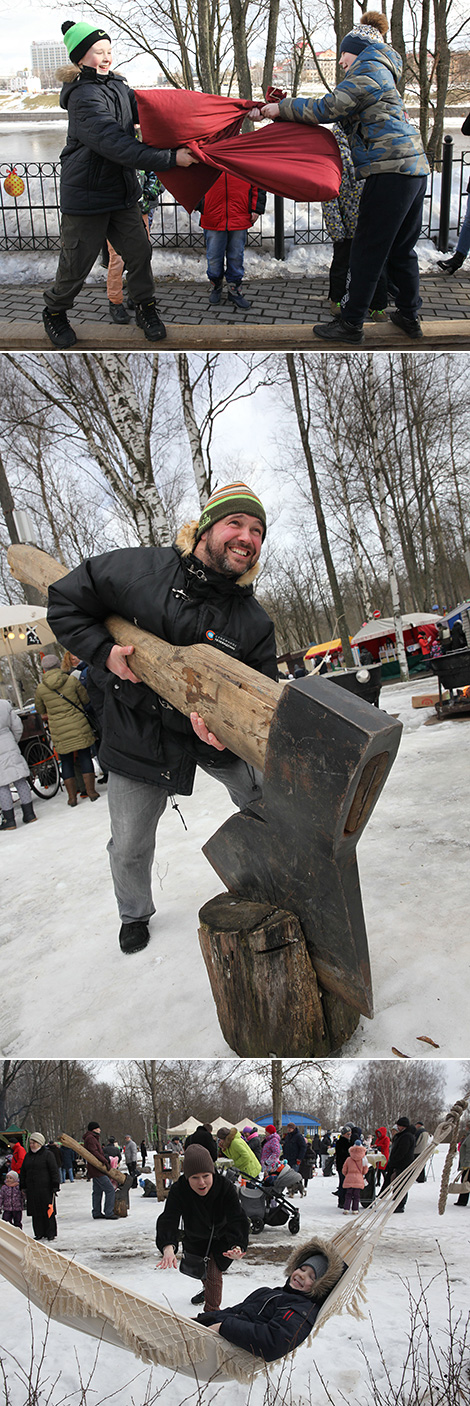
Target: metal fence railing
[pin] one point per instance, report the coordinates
(32, 219)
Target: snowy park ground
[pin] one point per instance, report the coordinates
(67, 991)
(410, 1254)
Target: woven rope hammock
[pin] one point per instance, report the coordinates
(88, 1302)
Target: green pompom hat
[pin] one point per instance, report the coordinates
(79, 37)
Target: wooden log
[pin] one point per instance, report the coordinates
(263, 982)
(236, 702)
(112, 1172)
(122, 1179)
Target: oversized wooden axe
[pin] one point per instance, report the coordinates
(123, 1179)
(326, 755)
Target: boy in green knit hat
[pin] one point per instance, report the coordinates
(100, 192)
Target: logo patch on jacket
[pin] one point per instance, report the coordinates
(220, 640)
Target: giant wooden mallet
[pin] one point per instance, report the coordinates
(326, 755)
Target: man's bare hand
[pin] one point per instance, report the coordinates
(185, 157)
(116, 662)
(214, 1327)
(203, 734)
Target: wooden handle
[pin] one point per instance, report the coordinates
(236, 702)
(112, 1172)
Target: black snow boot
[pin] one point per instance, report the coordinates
(8, 822)
(410, 325)
(28, 813)
(199, 1298)
(237, 297)
(451, 265)
(147, 318)
(133, 936)
(216, 290)
(339, 331)
(58, 328)
(118, 313)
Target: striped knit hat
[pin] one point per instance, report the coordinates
(234, 498)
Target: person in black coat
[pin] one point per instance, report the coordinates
(306, 1165)
(40, 1180)
(203, 1137)
(294, 1145)
(342, 1147)
(401, 1155)
(271, 1322)
(215, 1227)
(100, 192)
(200, 590)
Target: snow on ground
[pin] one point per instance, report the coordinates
(125, 1251)
(31, 268)
(67, 991)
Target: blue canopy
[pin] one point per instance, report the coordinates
(301, 1120)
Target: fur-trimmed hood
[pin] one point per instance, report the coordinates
(336, 1265)
(186, 542)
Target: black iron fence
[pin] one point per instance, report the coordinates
(30, 220)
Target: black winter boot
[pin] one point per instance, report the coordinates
(339, 331)
(118, 313)
(410, 325)
(58, 328)
(216, 290)
(451, 265)
(237, 297)
(8, 822)
(134, 936)
(28, 813)
(147, 318)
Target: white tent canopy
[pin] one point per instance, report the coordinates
(375, 629)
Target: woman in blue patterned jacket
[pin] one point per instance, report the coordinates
(388, 155)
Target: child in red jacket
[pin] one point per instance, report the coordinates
(228, 210)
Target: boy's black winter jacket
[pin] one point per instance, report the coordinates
(175, 597)
(219, 1211)
(269, 1323)
(102, 154)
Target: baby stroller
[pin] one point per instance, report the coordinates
(266, 1205)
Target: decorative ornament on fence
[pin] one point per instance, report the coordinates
(13, 183)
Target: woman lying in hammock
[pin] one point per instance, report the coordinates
(272, 1322)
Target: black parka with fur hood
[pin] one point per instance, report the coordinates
(169, 592)
(102, 155)
(271, 1322)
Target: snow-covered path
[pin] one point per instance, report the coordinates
(125, 1251)
(67, 990)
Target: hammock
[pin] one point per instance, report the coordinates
(88, 1302)
(300, 162)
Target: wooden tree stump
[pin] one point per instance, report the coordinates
(263, 983)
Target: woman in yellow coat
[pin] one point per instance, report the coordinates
(63, 699)
(234, 1146)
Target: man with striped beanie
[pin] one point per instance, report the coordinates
(198, 591)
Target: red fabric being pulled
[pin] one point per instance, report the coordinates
(300, 162)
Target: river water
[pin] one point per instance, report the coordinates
(44, 141)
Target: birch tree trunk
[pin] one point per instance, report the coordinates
(192, 430)
(322, 529)
(387, 537)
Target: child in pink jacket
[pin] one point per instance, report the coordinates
(11, 1200)
(354, 1168)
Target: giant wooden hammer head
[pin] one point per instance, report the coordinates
(326, 755)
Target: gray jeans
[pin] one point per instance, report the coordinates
(24, 792)
(135, 808)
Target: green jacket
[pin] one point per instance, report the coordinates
(242, 1155)
(63, 698)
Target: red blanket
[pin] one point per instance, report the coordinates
(300, 162)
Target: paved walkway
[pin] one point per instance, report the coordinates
(277, 300)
